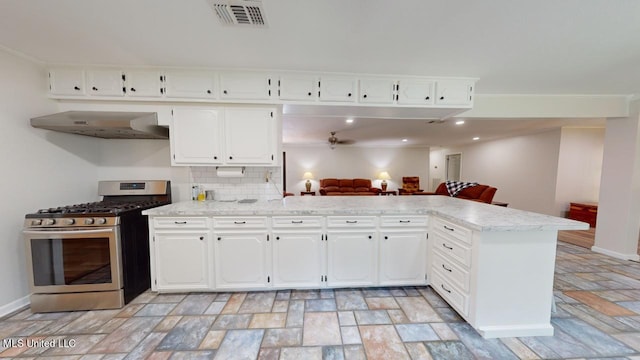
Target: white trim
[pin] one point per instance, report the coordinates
(489, 332)
(14, 306)
(615, 254)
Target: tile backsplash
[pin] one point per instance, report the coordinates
(263, 183)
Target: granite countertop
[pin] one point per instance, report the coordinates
(477, 216)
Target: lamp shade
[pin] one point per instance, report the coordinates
(307, 175)
(384, 176)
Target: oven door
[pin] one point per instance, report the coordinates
(74, 260)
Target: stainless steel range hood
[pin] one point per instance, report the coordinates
(104, 124)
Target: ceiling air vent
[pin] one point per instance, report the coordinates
(239, 12)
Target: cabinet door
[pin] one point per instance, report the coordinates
(240, 260)
(415, 92)
(297, 259)
(245, 86)
(66, 82)
(105, 83)
(454, 92)
(297, 87)
(403, 257)
(351, 258)
(190, 84)
(182, 260)
(144, 83)
(250, 136)
(196, 136)
(341, 89)
(378, 91)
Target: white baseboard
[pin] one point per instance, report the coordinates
(615, 254)
(14, 306)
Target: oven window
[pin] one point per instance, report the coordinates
(71, 261)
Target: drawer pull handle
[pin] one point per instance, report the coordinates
(179, 222)
(444, 267)
(445, 245)
(239, 222)
(405, 221)
(445, 289)
(448, 228)
(352, 222)
(297, 222)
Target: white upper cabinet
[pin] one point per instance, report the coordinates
(105, 82)
(191, 84)
(245, 86)
(377, 91)
(250, 136)
(144, 83)
(196, 136)
(454, 92)
(415, 92)
(63, 81)
(298, 87)
(338, 88)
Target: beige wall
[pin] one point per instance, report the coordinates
(40, 169)
(354, 162)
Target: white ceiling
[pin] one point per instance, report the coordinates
(513, 47)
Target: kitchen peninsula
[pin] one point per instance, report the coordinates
(493, 265)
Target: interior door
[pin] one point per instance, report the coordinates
(453, 166)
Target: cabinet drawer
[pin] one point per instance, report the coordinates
(453, 296)
(296, 222)
(239, 223)
(180, 223)
(404, 221)
(452, 230)
(351, 221)
(451, 272)
(453, 250)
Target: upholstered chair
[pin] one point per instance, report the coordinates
(410, 185)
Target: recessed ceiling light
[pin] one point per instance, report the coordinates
(405, 140)
(476, 138)
(459, 122)
(349, 121)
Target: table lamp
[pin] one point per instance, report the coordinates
(384, 176)
(308, 176)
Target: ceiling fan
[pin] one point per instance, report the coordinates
(333, 141)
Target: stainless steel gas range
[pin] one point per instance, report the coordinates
(93, 255)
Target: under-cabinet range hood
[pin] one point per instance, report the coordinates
(105, 124)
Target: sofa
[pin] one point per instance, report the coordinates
(341, 187)
(480, 193)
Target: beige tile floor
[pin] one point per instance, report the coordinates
(598, 316)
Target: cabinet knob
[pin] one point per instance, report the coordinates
(76, 88)
(349, 95)
(277, 237)
(208, 91)
(94, 88)
(215, 158)
(224, 92)
(133, 89)
(427, 98)
(230, 157)
(309, 93)
(441, 97)
(364, 96)
(201, 237)
(219, 238)
(386, 238)
(370, 237)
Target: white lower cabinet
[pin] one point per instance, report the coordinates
(351, 258)
(297, 259)
(403, 257)
(182, 260)
(241, 260)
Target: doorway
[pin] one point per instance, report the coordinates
(453, 166)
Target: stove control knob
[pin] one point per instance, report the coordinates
(36, 222)
(101, 221)
(69, 221)
(49, 221)
(88, 221)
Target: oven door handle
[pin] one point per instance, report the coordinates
(67, 232)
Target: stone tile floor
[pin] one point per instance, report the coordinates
(598, 316)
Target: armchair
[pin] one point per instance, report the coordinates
(410, 185)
